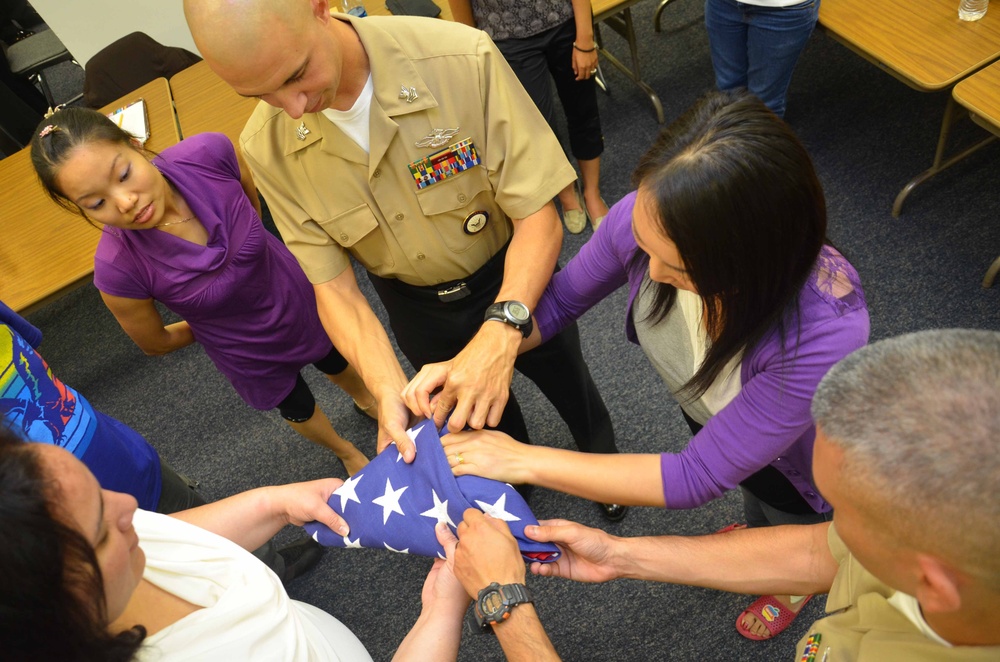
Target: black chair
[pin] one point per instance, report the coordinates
(129, 63)
(32, 55)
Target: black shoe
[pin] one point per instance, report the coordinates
(299, 558)
(613, 512)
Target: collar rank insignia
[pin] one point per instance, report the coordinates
(408, 93)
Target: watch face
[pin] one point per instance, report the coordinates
(518, 311)
(492, 603)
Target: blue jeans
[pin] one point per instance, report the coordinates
(757, 47)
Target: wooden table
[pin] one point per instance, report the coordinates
(47, 251)
(378, 8)
(204, 102)
(617, 15)
(980, 94)
(923, 44)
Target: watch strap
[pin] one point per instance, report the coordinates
(497, 312)
(511, 595)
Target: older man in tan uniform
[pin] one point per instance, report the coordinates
(410, 145)
(906, 452)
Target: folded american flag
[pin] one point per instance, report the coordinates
(394, 505)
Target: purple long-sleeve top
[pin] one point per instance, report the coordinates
(769, 421)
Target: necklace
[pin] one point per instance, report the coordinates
(163, 225)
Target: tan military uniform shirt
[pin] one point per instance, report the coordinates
(330, 199)
(863, 626)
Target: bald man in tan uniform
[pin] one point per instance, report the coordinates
(409, 145)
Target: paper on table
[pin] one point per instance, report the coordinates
(133, 119)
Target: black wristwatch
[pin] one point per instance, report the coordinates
(495, 602)
(513, 313)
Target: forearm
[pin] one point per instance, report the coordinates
(531, 256)
(359, 337)
(249, 519)
(461, 12)
(435, 636)
(175, 336)
(779, 560)
(627, 479)
(523, 637)
(583, 18)
(142, 322)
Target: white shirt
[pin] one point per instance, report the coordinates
(246, 614)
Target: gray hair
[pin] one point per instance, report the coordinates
(918, 419)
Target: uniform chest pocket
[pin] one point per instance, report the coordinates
(448, 203)
(358, 231)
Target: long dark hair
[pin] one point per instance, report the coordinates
(735, 190)
(58, 135)
(52, 603)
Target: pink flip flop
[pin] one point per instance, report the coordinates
(775, 616)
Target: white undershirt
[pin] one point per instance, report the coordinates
(354, 122)
(908, 606)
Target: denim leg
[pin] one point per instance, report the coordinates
(776, 38)
(727, 40)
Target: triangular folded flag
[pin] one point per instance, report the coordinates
(394, 505)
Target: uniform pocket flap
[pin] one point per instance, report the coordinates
(453, 192)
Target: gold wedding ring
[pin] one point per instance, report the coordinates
(459, 458)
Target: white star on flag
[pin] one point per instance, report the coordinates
(383, 488)
(348, 491)
(498, 510)
(412, 434)
(439, 511)
(390, 501)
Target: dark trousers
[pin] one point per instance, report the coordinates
(534, 59)
(429, 330)
(769, 499)
(181, 493)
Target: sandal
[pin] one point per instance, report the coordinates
(774, 615)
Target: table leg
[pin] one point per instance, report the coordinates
(991, 273)
(622, 24)
(951, 115)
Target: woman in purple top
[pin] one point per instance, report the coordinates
(184, 229)
(740, 305)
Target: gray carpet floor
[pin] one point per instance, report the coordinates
(868, 135)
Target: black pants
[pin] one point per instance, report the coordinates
(429, 330)
(769, 499)
(533, 60)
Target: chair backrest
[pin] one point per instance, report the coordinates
(128, 64)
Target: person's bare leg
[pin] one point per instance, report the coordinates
(590, 176)
(567, 197)
(318, 429)
(792, 603)
(350, 382)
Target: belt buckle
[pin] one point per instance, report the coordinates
(454, 293)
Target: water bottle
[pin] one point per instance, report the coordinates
(357, 8)
(972, 10)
